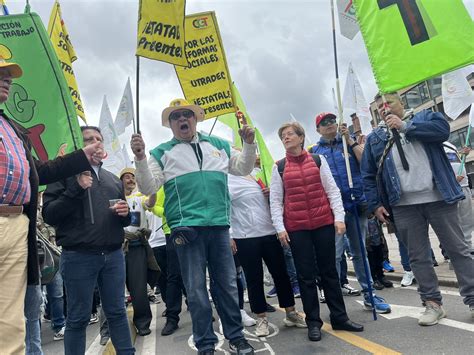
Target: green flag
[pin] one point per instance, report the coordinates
(231, 120)
(40, 100)
(409, 41)
(266, 159)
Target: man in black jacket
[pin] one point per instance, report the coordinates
(20, 176)
(89, 212)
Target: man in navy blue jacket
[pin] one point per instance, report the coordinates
(423, 193)
(355, 204)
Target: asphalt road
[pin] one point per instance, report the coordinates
(394, 333)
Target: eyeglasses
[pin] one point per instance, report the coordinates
(177, 114)
(327, 122)
(288, 134)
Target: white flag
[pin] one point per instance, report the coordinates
(347, 18)
(114, 162)
(457, 92)
(125, 114)
(353, 101)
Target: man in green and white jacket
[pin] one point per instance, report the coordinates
(193, 169)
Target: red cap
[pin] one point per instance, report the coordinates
(322, 116)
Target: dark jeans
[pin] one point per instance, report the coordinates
(137, 278)
(162, 261)
(55, 302)
(375, 256)
(251, 252)
(172, 289)
(81, 272)
(313, 248)
(211, 248)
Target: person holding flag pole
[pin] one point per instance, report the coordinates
(369, 300)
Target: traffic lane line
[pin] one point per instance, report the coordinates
(353, 339)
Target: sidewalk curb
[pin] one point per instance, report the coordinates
(396, 276)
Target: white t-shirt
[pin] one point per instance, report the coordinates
(250, 211)
(157, 237)
(136, 204)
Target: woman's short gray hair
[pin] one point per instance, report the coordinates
(297, 127)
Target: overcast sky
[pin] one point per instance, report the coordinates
(279, 54)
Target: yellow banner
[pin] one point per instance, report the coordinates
(65, 51)
(161, 31)
(206, 80)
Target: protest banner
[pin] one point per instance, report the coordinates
(206, 80)
(40, 100)
(62, 45)
(409, 41)
(161, 31)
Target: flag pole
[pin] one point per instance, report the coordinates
(348, 168)
(136, 127)
(212, 128)
(463, 159)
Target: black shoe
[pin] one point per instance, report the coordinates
(435, 263)
(169, 328)
(143, 332)
(104, 340)
(387, 283)
(241, 347)
(207, 352)
(314, 333)
(378, 285)
(348, 325)
(270, 308)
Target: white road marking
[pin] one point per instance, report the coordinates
(414, 288)
(148, 345)
(399, 311)
(95, 348)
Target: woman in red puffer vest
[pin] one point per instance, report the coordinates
(307, 212)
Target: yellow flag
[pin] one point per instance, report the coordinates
(206, 80)
(65, 51)
(161, 31)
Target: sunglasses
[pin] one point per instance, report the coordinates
(177, 114)
(327, 122)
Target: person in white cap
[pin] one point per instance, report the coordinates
(193, 169)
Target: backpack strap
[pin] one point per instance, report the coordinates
(281, 164)
(317, 160)
(281, 167)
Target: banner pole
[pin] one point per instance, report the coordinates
(348, 169)
(136, 126)
(212, 128)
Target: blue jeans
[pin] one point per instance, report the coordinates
(33, 302)
(55, 298)
(81, 272)
(352, 235)
(211, 248)
(290, 266)
(405, 259)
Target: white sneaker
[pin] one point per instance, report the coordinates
(247, 321)
(246, 296)
(432, 314)
(295, 319)
(262, 329)
(322, 297)
(408, 278)
(60, 334)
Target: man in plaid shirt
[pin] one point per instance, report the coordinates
(20, 176)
